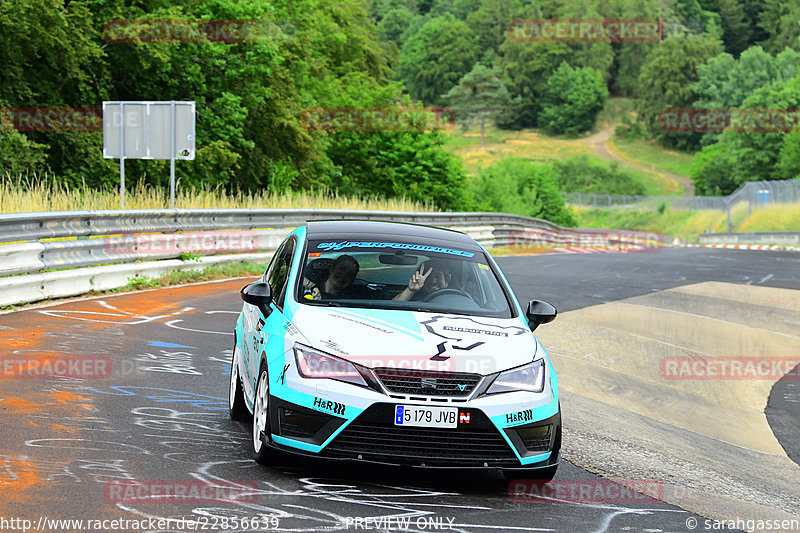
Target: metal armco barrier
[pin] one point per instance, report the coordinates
(752, 237)
(51, 255)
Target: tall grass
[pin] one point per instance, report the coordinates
(688, 225)
(25, 194)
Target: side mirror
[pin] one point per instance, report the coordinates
(258, 294)
(539, 313)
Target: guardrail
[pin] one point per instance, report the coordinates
(51, 255)
(752, 237)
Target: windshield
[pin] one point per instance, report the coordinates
(397, 275)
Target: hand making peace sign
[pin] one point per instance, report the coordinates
(418, 279)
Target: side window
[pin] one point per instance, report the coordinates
(279, 272)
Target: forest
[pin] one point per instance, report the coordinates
(254, 89)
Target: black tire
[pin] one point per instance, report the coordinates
(236, 405)
(262, 453)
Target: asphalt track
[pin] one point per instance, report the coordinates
(160, 415)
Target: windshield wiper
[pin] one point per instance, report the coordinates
(324, 303)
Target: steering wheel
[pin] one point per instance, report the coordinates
(444, 292)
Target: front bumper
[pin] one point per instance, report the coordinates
(372, 437)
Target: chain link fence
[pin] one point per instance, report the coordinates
(755, 193)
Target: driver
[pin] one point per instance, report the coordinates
(429, 278)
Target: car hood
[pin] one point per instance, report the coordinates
(407, 339)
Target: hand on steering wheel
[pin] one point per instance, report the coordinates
(443, 292)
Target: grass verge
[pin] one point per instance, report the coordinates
(688, 225)
(651, 155)
(23, 195)
(233, 269)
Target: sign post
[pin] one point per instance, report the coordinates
(149, 130)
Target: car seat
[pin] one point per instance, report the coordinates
(317, 269)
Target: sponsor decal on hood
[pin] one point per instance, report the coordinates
(379, 338)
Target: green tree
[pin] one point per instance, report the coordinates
(490, 21)
(479, 96)
(527, 66)
(630, 56)
(788, 166)
(748, 152)
(712, 171)
(780, 20)
(725, 82)
(436, 57)
(394, 24)
(19, 155)
(572, 99)
(462, 8)
(666, 81)
(758, 152)
(51, 57)
(735, 26)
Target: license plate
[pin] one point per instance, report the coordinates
(426, 417)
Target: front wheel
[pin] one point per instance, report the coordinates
(261, 451)
(236, 405)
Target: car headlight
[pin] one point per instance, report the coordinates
(528, 378)
(314, 364)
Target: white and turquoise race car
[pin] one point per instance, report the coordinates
(396, 344)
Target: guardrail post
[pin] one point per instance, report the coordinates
(728, 216)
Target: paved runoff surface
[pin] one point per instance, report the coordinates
(155, 413)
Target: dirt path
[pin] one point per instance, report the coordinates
(599, 143)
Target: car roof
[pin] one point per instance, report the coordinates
(388, 231)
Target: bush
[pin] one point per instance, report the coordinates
(629, 130)
(582, 175)
(712, 171)
(19, 155)
(514, 185)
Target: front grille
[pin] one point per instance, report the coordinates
(405, 381)
(372, 438)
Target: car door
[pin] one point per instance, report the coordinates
(277, 276)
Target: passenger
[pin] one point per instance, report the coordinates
(337, 282)
(425, 282)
